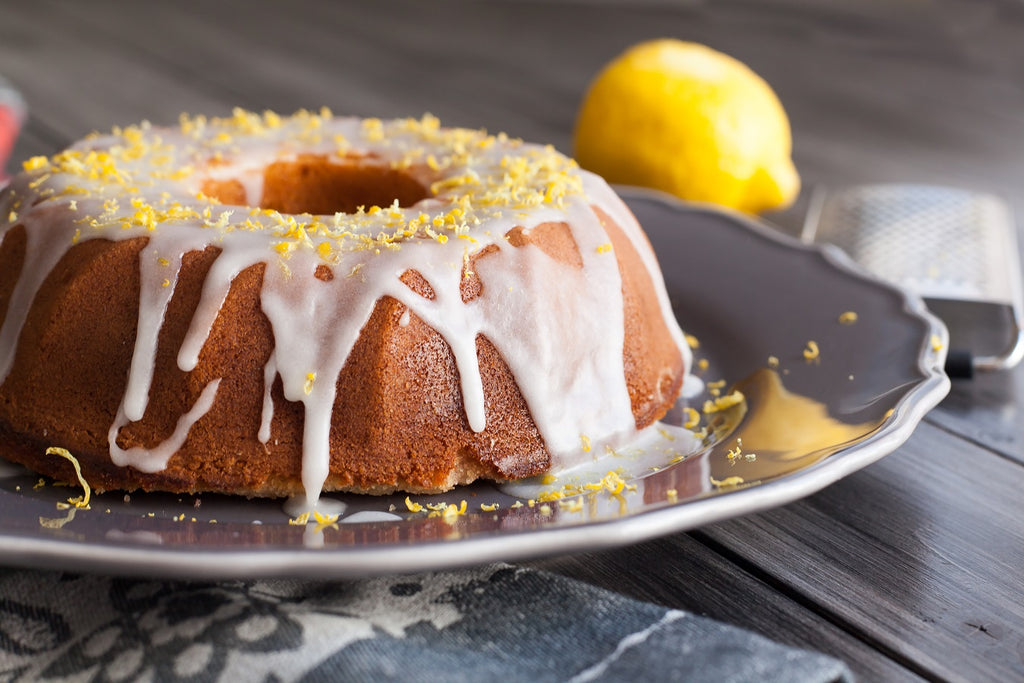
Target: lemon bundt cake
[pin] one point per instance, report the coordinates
(266, 305)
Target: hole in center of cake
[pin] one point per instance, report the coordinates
(317, 186)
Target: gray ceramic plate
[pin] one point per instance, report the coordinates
(751, 296)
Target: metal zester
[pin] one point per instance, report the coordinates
(954, 247)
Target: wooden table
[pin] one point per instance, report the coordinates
(910, 568)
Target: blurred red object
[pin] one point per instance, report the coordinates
(12, 113)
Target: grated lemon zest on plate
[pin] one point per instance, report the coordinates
(300, 520)
(723, 402)
(81, 502)
(324, 521)
(546, 496)
(848, 318)
(447, 511)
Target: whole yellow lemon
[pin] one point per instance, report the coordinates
(692, 121)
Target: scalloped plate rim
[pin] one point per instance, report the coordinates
(350, 562)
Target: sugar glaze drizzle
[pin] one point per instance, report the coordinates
(563, 344)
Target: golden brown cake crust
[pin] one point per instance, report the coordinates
(399, 420)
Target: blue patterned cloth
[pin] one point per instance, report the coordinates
(497, 622)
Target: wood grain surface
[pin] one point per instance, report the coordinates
(910, 568)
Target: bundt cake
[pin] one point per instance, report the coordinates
(268, 306)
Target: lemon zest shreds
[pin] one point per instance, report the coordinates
(546, 496)
(489, 507)
(447, 511)
(936, 342)
(692, 418)
(614, 484)
(723, 402)
(728, 482)
(81, 502)
(812, 352)
(848, 318)
(300, 520)
(412, 507)
(36, 163)
(476, 181)
(692, 342)
(453, 510)
(323, 521)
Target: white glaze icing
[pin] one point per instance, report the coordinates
(364, 516)
(563, 343)
(655, 447)
(299, 505)
(155, 459)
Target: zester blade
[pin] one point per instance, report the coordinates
(945, 244)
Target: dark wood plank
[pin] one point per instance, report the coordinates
(921, 553)
(683, 573)
(986, 410)
(76, 81)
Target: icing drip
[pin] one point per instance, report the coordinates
(612, 203)
(40, 259)
(318, 323)
(563, 344)
(159, 276)
(155, 459)
(267, 414)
